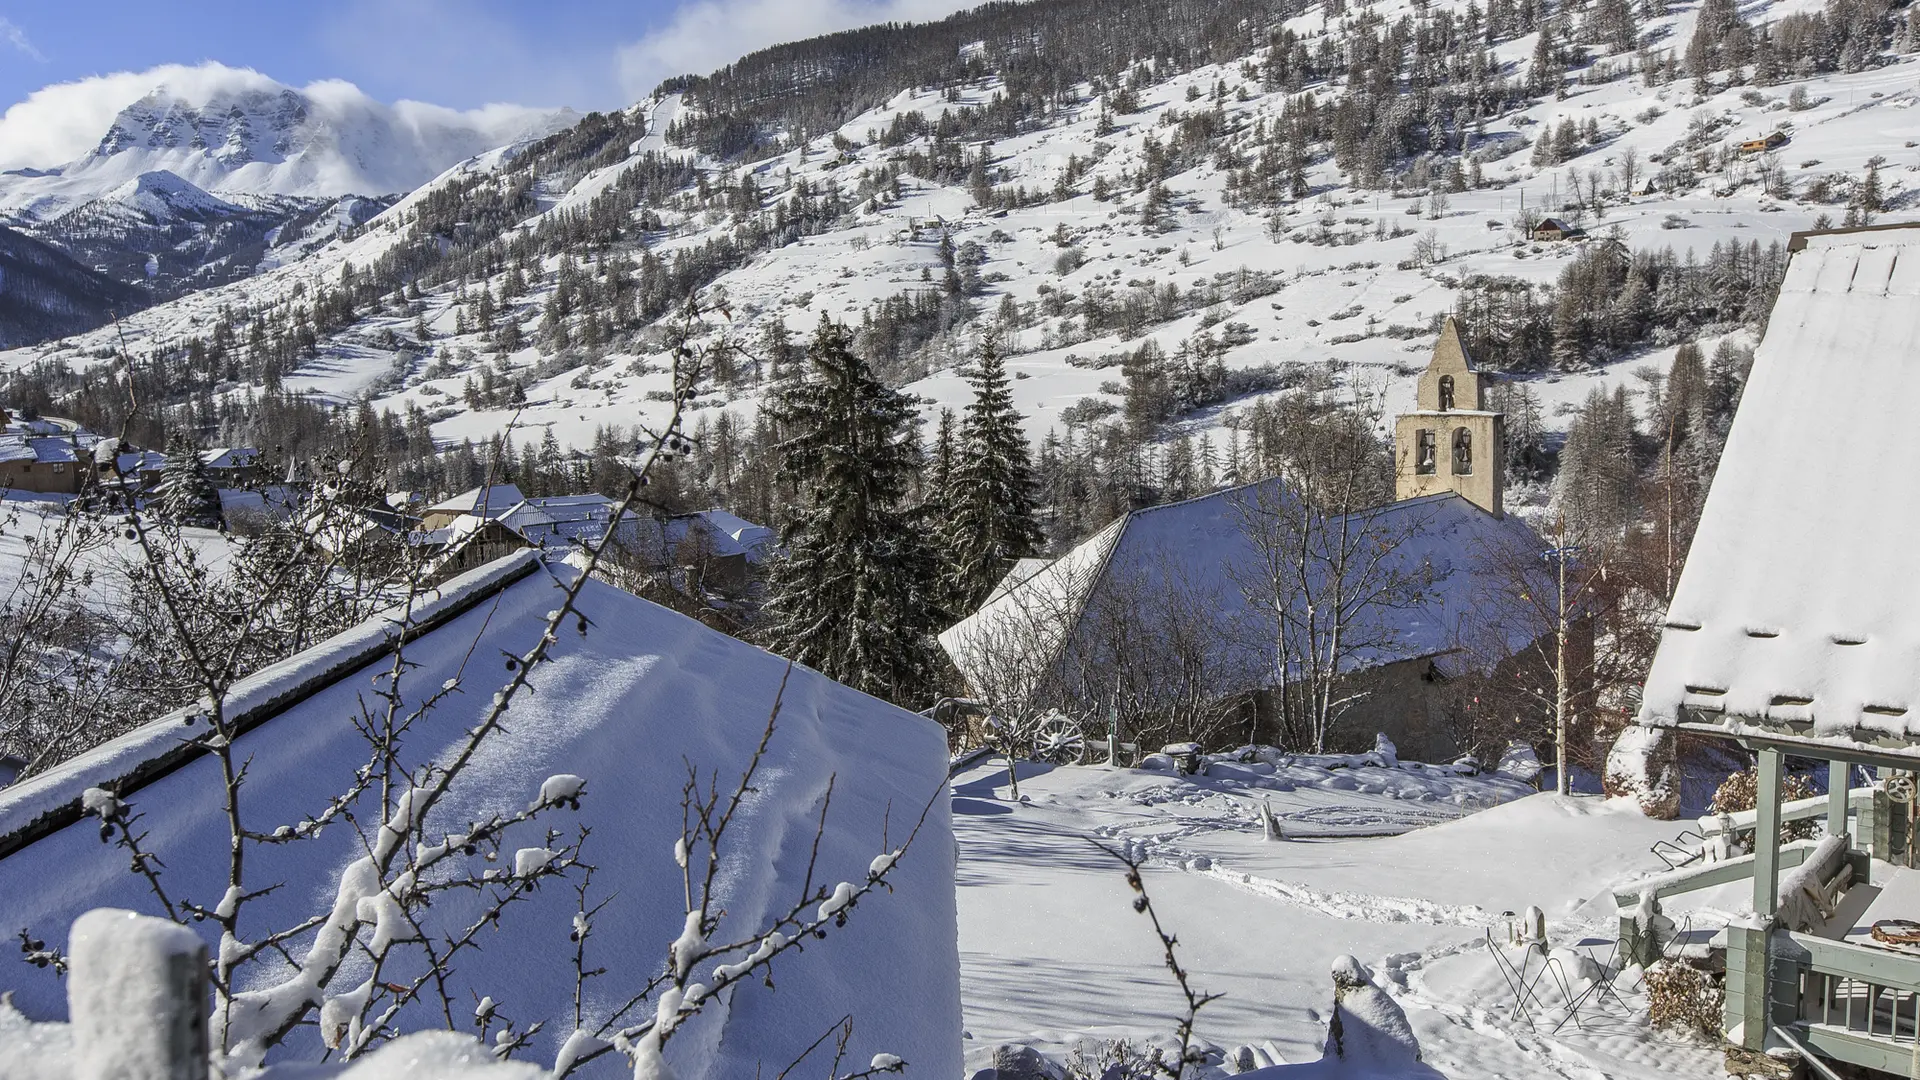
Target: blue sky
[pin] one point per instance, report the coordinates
(589, 54)
(460, 53)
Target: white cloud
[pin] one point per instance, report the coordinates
(59, 123)
(16, 37)
(709, 34)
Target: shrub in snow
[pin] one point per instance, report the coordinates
(1111, 1059)
(1643, 766)
(1014, 1062)
(1683, 998)
(1741, 791)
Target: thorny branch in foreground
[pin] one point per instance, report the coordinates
(1196, 1000)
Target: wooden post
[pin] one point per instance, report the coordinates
(1766, 836)
(1837, 773)
(1746, 987)
(1875, 824)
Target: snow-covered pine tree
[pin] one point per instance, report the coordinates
(855, 595)
(187, 492)
(992, 490)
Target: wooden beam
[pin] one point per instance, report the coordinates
(1766, 835)
(1837, 795)
(1882, 967)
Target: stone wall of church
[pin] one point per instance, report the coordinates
(1404, 701)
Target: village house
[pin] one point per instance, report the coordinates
(1172, 607)
(45, 455)
(1792, 634)
(1555, 229)
(486, 501)
(232, 466)
(717, 549)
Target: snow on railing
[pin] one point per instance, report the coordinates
(1736, 822)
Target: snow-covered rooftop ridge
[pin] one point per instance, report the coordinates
(495, 498)
(50, 800)
(1795, 612)
(726, 533)
(627, 707)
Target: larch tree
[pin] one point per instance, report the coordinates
(855, 595)
(992, 489)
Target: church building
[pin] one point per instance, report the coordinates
(1159, 616)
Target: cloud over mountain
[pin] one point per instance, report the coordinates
(65, 122)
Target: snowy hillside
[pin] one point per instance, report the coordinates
(1129, 215)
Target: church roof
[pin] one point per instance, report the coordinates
(1795, 613)
(631, 706)
(1197, 559)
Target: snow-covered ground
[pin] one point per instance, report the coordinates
(1053, 956)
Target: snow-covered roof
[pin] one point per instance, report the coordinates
(1200, 556)
(132, 461)
(727, 534)
(495, 499)
(230, 457)
(753, 541)
(1022, 570)
(54, 449)
(44, 449)
(566, 520)
(1796, 610)
(628, 706)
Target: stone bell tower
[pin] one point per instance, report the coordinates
(1450, 442)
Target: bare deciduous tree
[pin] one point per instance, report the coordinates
(1328, 565)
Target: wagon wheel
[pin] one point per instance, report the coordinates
(1057, 740)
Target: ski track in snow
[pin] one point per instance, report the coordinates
(1346, 905)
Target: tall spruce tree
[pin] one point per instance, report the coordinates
(188, 495)
(187, 490)
(855, 595)
(992, 491)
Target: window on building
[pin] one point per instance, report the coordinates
(1426, 452)
(1446, 393)
(1462, 452)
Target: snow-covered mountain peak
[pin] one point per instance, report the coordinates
(231, 127)
(162, 196)
(237, 131)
